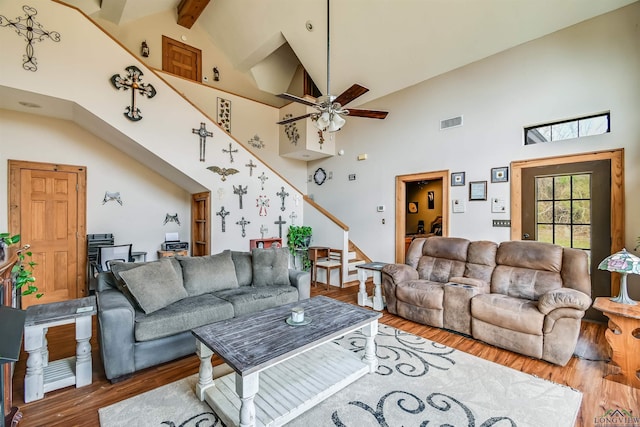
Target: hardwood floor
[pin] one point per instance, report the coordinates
(79, 407)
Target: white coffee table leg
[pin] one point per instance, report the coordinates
(83, 351)
(370, 331)
(362, 292)
(205, 374)
(34, 378)
(247, 388)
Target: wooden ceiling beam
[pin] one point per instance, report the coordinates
(189, 11)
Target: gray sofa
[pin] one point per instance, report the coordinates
(523, 296)
(147, 310)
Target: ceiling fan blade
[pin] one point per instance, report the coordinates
(350, 94)
(293, 119)
(294, 98)
(372, 114)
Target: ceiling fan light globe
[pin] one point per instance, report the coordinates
(336, 123)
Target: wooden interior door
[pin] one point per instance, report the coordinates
(47, 209)
(181, 59)
(201, 224)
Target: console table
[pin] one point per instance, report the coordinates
(42, 375)
(624, 322)
(364, 271)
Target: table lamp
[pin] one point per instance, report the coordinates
(624, 263)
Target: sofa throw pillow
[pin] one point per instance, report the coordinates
(154, 285)
(270, 266)
(204, 274)
(244, 270)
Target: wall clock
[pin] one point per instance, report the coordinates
(320, 176)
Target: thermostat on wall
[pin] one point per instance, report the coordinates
(380, 208)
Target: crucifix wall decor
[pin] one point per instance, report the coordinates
(293, 217)
(240, 192)
(250, 165)
(262, 202)
(262, 179)
(203, 133)
(282, 194)
(132, 82)
(222, 213)
(243, 223)
(230, 151)
(279, 223)
(263, 230)
(32, 32)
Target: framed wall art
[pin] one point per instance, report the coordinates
(457, 179)
(478, 190)
(500, 174)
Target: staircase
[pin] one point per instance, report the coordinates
(354, 257)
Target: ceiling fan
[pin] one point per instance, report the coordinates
(330, 108)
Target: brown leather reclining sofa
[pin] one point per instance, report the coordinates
(523, 296)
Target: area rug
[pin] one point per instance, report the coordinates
(418, 383)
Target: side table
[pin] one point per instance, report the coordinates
(42, 375)
(375, 270)
(624, 323)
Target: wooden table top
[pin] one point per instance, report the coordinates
(256, 341)
(605, 304)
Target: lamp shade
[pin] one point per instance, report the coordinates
(624, 263)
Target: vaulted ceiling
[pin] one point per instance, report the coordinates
(385, 45)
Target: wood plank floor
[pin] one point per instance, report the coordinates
(79, 407)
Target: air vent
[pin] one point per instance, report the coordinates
(451, 123)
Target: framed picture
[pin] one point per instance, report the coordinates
(478, 190)
(412, 207)
(457, 179)
(500, 174)
(431, 200)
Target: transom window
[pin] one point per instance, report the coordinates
(568, 129)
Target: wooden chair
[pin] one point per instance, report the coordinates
(332, 261)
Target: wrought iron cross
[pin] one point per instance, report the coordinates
(263, 230)
(279, 222)
(132, 81)
(240, 192)
(32, 31)
(203, 133)
(263, 178)
(293, 217)
(243, 223)
(230, 151)
(250, 165)
(282, 194)
(222, 213)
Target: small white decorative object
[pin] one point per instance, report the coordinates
(297, 314)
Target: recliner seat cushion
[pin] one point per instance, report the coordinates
(421, 293)
(515, 314)
(203, 274)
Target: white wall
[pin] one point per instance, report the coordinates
(147, 197)
(589, 68)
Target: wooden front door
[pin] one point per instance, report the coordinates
(47, 209)
(181, 59)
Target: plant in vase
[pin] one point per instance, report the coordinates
(298, 240)
(23, 270)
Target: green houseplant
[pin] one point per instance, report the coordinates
(23, 270)
(298, 240)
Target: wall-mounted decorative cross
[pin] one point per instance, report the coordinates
(203, 133)
(262, 202)
(282, 194)
(250, 165)
(243, 223)
(262, 179)
(293, 217)
(132, 81)
(240, 192)
(279, 223)
(230, 151)
(222, 213)
(263, 230)
(32, 31)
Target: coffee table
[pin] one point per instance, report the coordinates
(282, 370)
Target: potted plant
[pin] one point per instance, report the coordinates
(298, 240)
(23, 271)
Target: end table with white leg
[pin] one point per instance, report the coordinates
(364, 271)
(43, 375)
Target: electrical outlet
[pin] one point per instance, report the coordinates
(502, 223)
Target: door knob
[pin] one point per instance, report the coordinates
(525, 236)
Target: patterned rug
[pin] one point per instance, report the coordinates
(418, 383)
